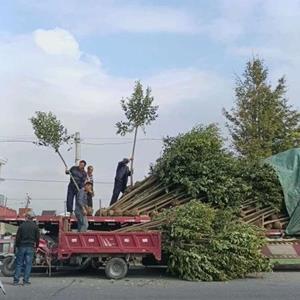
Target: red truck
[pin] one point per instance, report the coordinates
(61, 249)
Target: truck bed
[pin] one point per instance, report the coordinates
(102, 242)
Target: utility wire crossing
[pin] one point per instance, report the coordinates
(49, 180)
(84, 141)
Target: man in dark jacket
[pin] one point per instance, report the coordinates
(79, 175)
(82, 206)
(121, 179)
(27, 239)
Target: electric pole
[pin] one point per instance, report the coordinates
(77, 148)
(2, 163)
(28, 200)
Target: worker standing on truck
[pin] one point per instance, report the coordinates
(81, 207)
(79, 176)
(90, 178)
(121, 179)
(27, 239)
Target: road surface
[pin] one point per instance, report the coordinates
(149, 284)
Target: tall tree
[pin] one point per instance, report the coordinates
(262, 122)
(139, 112)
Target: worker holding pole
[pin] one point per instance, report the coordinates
(77, 180)
(121, 179)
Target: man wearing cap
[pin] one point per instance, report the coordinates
(79, 176)
(81, 207)
(27, 239)
(121, 179)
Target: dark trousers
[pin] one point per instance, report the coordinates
(72, 193)
(90, 200)
(24, 258)
(82, 220)
(116, 192)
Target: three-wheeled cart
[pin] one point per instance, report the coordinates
(62, 248)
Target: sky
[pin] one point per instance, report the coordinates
(79, 58)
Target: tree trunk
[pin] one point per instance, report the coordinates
(132, 155)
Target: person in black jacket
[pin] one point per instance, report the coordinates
(121, 179)
(79, 175)
(27, 239)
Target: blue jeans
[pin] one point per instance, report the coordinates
(24, 259)
(82, 221)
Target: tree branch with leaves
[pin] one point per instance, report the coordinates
(51, 133)
(139, 112)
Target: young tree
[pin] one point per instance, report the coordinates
(50, 133)
(262, 122)
(139, 112)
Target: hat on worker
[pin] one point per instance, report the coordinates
(125, 160)
(30, 214)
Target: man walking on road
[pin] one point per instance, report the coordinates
(121, 179)
(79, 175)
(27, 239)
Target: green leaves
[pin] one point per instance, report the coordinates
(206, 244)
(49, 130)
(261, 123)
(263, 184)
(198, 163)
(138, 109)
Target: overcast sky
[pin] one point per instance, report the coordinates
(79, 58)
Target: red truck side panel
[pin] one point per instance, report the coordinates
(98, 242)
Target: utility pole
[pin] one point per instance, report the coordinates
(28, 200)
(77, 148)
(2, 163)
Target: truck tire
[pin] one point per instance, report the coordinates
(116, 268)
(8, 267)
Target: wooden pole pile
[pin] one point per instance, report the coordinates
(266, 217)
(150, 197)
(146, 198)
(152, 225)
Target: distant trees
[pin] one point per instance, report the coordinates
(262, 122)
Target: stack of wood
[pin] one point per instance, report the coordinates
(267, 217)
(150, 197)
(147, 197)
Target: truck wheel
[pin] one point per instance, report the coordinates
(8, 267)
(116, 268)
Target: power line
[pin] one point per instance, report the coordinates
(35, 199)
(17, 141)
(105, 144)
(32, 137)
(48, 180)
(120, 138)
(84, 143)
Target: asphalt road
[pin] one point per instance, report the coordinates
(149, 284)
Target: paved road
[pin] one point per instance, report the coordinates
(154, 285)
